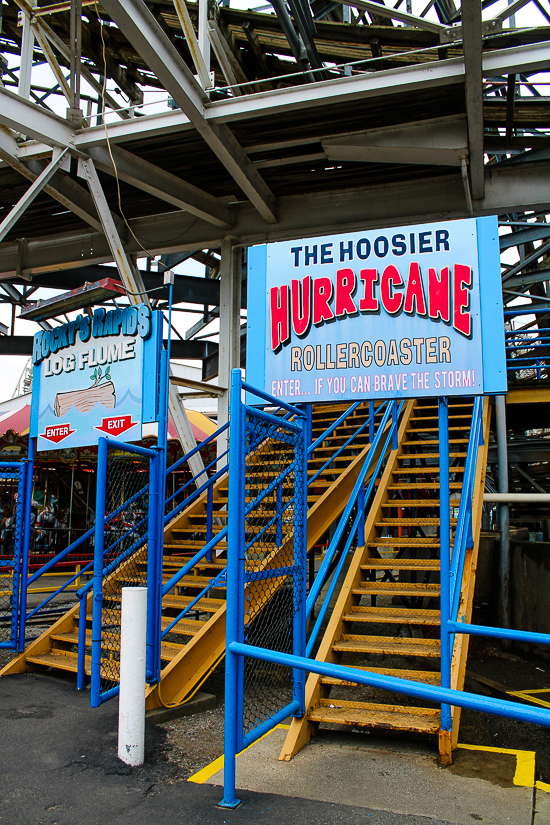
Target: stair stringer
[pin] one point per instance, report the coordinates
(302, 730)
(460, 653)
(182, 677)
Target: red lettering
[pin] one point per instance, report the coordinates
(301, 305)
(368, 302)
(415, 292)
(346, 283)
(391, 279)
(280, 320)
(439, 295)
(462, 282)
(322, 294)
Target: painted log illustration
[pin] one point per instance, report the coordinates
(86, 399)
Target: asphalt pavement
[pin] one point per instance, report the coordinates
(59, 766)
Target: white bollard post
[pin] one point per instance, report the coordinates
(131, 706)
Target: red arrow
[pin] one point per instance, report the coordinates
(116, 425)
(57, 432)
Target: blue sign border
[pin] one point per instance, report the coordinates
(490, 299)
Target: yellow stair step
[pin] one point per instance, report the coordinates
(205, 605)
(421, 485)
(411, 522)
(401, 564)
(435, 418)
(392, 615)
(363, 714)
(387, 645)
(452, 427)
(407, 456)
(411, 502)
(168, 649)
(430, 677)
(69, 662)
(65, 660)
(403, 542)
(413, 589)
(423, 470)
(429, 442)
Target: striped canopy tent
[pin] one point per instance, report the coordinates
(201, 425)
(16, 420)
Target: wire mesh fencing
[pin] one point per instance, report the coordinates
(12, 486)
(125, 549)
(274, 561)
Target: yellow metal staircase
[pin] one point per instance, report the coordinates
(196, 643)
(386, 618)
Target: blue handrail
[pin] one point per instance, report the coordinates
(362, 501)
(368, 421)
(215, 582)
(463, 537)
(196, 449)
(199, 555)
(333, 426)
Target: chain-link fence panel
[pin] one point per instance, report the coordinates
(125, 549)
(274, 561)
(12, 487)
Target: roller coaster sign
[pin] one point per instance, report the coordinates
(399, 313)
(88, 378)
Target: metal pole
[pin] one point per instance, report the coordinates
(204, 42)
(516, 498)
(445, 573)
(99, 541)
(25, 67)
(71, 506)
(81, 656)
(153, 627)
(235, 612)
(131, 704)
(299, 563)
(230, 331)
(504, 514)
(371, 422)
(29, 478)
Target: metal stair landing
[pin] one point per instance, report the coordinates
(386, 619)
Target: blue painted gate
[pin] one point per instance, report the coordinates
(266, 567)
(127, 553)
(12, 491)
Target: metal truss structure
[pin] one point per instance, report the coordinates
(287, 121)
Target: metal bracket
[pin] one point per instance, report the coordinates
(454, 33)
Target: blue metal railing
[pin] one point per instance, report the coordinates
(463, 539)
(359, 501)
(522, 344)
(14, 472)
(452, 571)
(275, 486)
(369, 422)
(523, 350)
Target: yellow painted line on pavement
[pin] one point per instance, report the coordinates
(530, 696)
(525, 763)
(205, 773)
